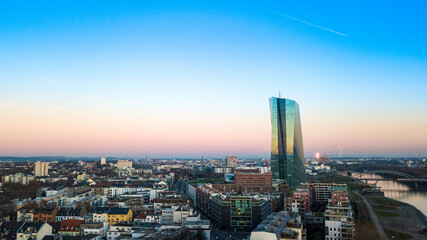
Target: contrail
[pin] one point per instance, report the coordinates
(311, 24)
(85, 98)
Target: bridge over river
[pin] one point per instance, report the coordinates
(386, 174)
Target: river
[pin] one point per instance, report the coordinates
(414, 193)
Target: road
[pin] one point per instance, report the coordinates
(374, 217)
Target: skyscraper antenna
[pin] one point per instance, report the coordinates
(279, 93)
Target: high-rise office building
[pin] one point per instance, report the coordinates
(287, 152)
(41, 169)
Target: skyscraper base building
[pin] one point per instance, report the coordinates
(287, 152)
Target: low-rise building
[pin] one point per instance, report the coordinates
(8, 230)
(33, 231)
(70, 227)
(280, 226)
(25, 214)
(98, 228)
(45, 214)
(119, 229)
(117, 215)
(100, 214)
(18, 178)
(70, 213)
(181, 213)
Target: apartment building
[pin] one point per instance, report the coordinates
(339, 217)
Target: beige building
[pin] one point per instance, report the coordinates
(18, 178)
(231, 161)
(82, 177)
(103, 161)
(100, 214)
(124, 164)
(41, 169)
(34, 230)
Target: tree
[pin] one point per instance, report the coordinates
(201, 235)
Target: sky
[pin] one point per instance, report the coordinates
(193, 78)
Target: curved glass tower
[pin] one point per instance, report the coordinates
(287, 152)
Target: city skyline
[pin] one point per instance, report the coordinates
(191, 79)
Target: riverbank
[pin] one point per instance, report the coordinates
(368, 225)
(398, 219)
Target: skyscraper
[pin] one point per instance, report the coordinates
(287, 152)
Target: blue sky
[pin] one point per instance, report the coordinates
(201, 73)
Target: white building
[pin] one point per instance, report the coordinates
(54, 192)
(119, 229)
(149, 218)
(181, 213)
(176, 214)
(99, 228)
(18, 178)
(167, 216)
(280, 226)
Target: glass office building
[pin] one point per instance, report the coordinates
(287, 152)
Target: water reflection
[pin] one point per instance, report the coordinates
(409, 192)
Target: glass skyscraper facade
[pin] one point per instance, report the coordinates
(287, 152)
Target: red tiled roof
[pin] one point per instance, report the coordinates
(70, 225)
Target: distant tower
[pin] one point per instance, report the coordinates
(103, 161)
(41, 169)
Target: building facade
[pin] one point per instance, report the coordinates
(231, 161)
(287, 152)
(322, 191)
(253, 182)
(281, 225)
(339, 217)
(117, 215)
(18, 178)
(33, 231)
(238, 213)
(124, 164)
(41, 169)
